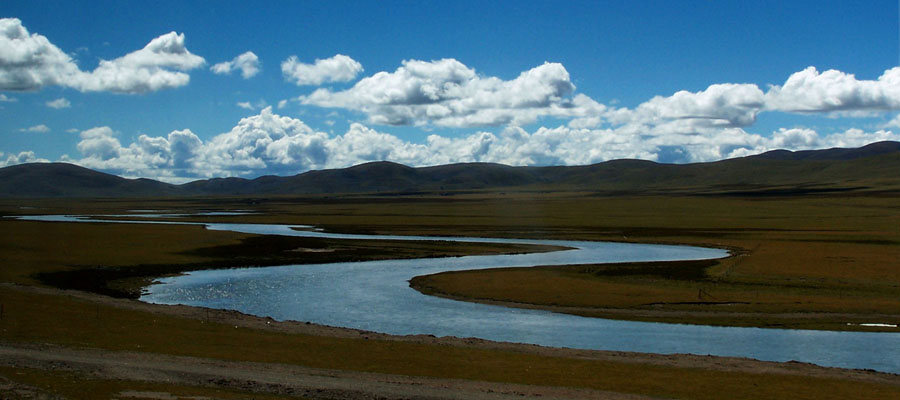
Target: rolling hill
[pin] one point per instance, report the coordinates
(67, 180)
(779, 172)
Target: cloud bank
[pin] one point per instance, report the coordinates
(268, 143)
(30, 62)
(447, 93)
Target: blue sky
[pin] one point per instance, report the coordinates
(141, 89)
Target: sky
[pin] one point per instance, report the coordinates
(186, 90)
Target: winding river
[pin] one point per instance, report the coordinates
(375, 296)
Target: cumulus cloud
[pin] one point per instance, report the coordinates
(809, 91)
(5, 99)
(30, 62)
(568, 146)
(362, 144)
(159, 65)
(683, 127)
(21, 158)
(99, 143)
(59, 103)
(856, 137)
(247, 62)
(339, 68)
(166, 158)
(719, 105)
(268, 143)
(265, 143)
(706, 125)
(448, 93)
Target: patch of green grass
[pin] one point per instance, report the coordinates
(119, 259)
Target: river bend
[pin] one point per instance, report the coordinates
(376, 296)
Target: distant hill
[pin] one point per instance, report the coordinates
(779, 172)
(67, 180)
(873, 149)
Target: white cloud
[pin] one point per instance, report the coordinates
(339, 68)
(793, 139)
(247, 62)
(362, 144)
(719, 105)
(59, 103)
(21, 158)
(31, 61)
(265, 143)
(567, 146)
(448, 93)
(857, 138)
(894, 123)
(809, 91)
(5, 99)
(258, 105)
(165, 158)
(683, 127)
(268, 143)
(99, 143)
(37, 128)
(157, 66)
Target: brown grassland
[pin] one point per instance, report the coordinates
(815, 261)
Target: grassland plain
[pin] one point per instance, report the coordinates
(831, 258)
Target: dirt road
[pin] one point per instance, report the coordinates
(130, 368)
(276, 379)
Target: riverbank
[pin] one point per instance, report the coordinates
(671, 292)
(117, 259)
(86, 338)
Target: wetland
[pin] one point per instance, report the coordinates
(831, 256)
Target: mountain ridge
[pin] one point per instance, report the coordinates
(873, 166)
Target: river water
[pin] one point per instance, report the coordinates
(376, 296)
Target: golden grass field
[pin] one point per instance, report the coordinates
(812, 261)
